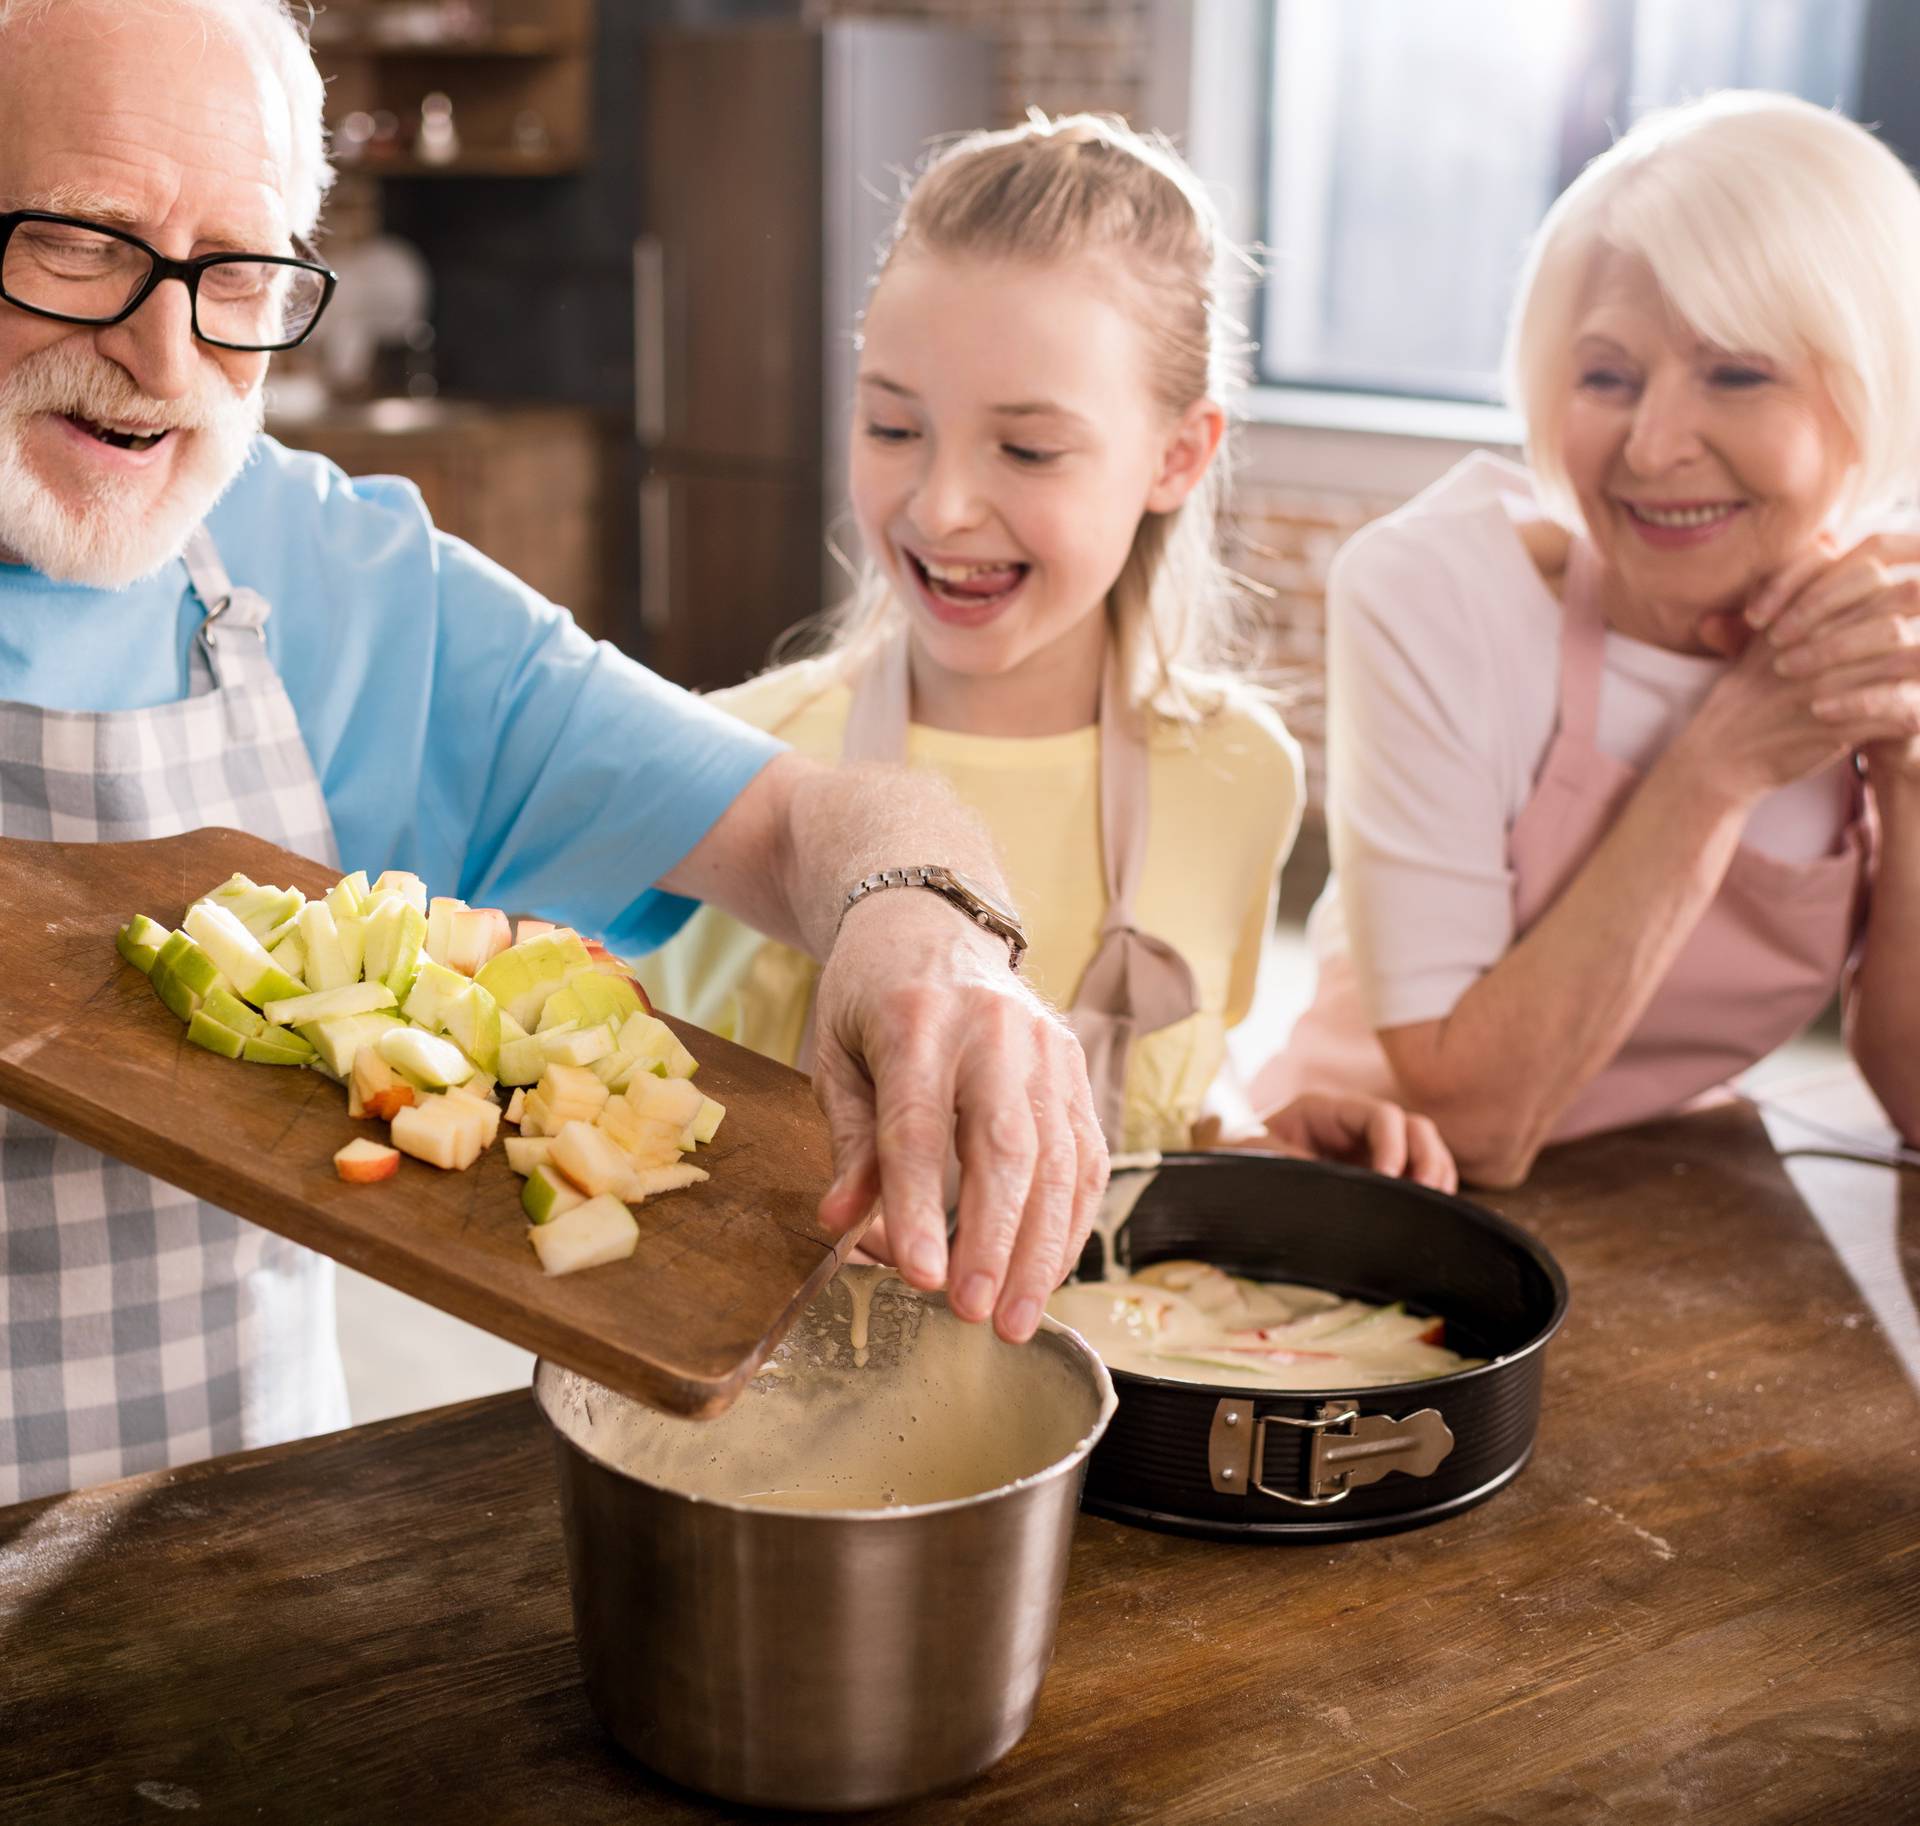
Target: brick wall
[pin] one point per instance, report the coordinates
(1060, 55)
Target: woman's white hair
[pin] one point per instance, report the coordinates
(1773, 228)
(272, 31)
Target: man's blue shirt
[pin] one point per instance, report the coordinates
(462, 726)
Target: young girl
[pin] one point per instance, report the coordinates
(1035, 476)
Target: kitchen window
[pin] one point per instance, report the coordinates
(1392, 158)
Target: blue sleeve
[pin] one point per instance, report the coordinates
(466, 729)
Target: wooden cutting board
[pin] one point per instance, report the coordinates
(721, 1269)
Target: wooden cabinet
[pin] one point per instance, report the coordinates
(726, 564)
(527, 485)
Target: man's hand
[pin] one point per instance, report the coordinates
(1364, 1131)
(924, 1039)
(927, 1042)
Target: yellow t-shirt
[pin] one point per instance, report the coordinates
(1224, 803)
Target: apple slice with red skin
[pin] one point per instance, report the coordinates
(360, 1163)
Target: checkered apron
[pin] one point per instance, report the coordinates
(140, 1327)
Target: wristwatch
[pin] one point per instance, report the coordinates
(957, 891)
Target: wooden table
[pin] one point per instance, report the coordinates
(1700, 1602)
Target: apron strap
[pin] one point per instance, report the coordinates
(231, 648)
(1583, 636)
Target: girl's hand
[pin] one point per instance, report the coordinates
(1849, 626)
(1363, 1131)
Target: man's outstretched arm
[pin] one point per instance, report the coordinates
(924, 1034)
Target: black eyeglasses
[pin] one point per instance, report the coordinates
(80, 272)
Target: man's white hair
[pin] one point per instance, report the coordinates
(1772, 228)
(270, 29)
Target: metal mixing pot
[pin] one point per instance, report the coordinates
(822, 1656)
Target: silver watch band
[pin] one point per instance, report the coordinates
(938, 880)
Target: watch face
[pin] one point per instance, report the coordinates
(991, 902)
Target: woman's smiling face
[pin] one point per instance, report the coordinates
(1006, 444)
(1700, 471)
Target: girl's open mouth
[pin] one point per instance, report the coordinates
(972, 588)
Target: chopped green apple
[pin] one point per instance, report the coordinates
(576, 1046)
(224, 1006)
(706, 1124)
(183, 975)
(237, 954)
(139, 941)
(440, 912)
(654, 1047)
(650, 1182)
(521, 1061)
(475, 937)
(395, 931)
(425, 1058)
(525, 1152)
(291, 955)
(338, 1041)
(279, 1047)
(443, 1131)
(347, 898)
(674, 1101)
(546, 1194)
(591, 996)
(648, 1143)
(522, 977)
(257, 908)
(204, 1030)
(398, 884)
(435, 988)
(473, 1024)
(599, 1231)
(331, 963)
(328, 1004)
(590, 1159)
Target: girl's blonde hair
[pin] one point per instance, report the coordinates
(1053, 190)
(1773, 228)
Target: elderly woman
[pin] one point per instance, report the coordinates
(1626, 744)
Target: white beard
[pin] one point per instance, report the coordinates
(116, 536)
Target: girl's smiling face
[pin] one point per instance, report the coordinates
(1700, 471)
(1006, 443)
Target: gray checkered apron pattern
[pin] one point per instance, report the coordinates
(140, 1327)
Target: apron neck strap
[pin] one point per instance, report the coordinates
(232, 636)
(1583, 636)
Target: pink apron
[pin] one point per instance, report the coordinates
(1134, 983)
(1763, 961)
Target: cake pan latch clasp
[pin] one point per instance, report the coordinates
(1347, 1449)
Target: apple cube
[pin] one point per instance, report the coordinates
(656, 1047)
(515, 1105)
(398, 884)
(329, 1004)
(533, 928)
(360, 1163)
(442, 1131)
(473, 1025)
(577, 1046)
(588, 1158)
(259, 909)
(237, 955)
(347, 898)
(646, 1142)
(525, 1152)
(279, 1047)
(615, 1070)
(291, 955)
(333, 958)
(440, 912)
(378, 1088)
(139, 941)
(706, 1124)
(477, 935)
(521, 1061)
(650, 1182)
(395, 931)
(590, 996)
(204, 1030)
(183, 976)
(671, 1100)
(522, 977)
(482, 1100)
(601, 1230)
(339, 1041)
(425, 1058)
(224, 1006)
(547, 1193)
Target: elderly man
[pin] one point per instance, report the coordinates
(199, 627)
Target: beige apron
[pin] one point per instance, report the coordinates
(1134, 983)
